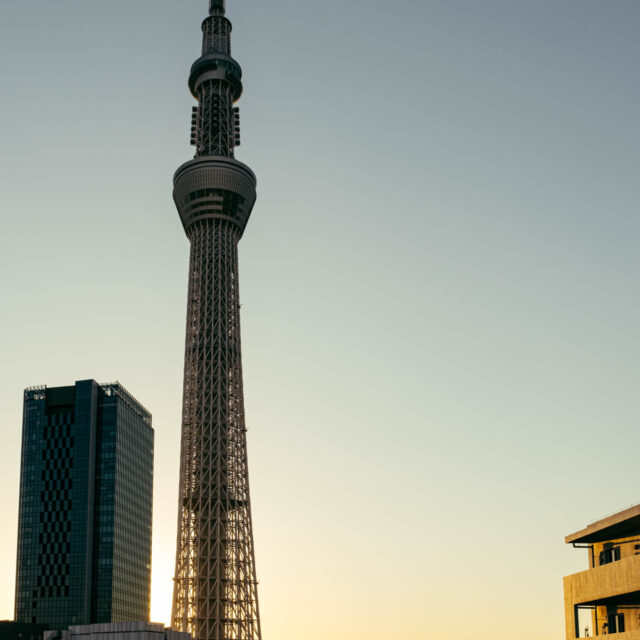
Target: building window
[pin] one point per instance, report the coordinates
(609, 555)
(615, 623)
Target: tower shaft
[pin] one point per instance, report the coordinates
(215, 587)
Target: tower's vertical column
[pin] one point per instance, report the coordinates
(215, 588)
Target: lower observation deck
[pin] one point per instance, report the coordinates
(214, 187)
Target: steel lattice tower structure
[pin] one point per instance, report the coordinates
(215, 588)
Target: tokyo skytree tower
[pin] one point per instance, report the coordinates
(215, 589)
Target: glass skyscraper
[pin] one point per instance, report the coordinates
(86, 486)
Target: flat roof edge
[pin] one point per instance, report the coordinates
(600, 526)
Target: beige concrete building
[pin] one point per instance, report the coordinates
(118, 631)
(605, 599)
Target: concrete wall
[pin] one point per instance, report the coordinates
(614, 579)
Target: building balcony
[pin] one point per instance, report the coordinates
(594, 586)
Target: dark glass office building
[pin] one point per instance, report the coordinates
(84, 533)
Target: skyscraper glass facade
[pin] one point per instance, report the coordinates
(84, 533)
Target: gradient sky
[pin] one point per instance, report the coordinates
(439, 282)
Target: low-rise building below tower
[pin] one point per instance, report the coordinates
(10, 630)
(117, 631)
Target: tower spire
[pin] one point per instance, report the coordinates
(216, 83)
(216, 7)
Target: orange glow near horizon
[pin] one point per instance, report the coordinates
(161, 588)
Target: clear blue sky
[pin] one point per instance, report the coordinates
(439, 285)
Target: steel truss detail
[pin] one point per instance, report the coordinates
(215, 585)
(215, 120)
